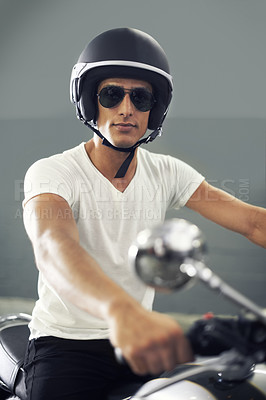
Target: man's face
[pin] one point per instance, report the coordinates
(123, 125)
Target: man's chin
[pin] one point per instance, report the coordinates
(123, 144)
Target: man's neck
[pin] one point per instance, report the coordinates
(108, 161)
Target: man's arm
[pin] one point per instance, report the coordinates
(229, 212)
(150, 342)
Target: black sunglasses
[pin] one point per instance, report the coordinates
(111, 96)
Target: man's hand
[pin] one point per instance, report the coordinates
(150, 342)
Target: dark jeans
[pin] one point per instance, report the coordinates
(74, 369)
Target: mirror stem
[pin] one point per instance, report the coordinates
(214, 282)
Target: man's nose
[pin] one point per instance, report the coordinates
(126, 107)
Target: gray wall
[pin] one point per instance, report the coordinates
(217, 120)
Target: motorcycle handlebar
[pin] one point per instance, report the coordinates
(215, 335)
(211, 337)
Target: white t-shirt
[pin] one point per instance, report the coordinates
(108, 222)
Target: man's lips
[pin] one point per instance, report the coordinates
(125, 127)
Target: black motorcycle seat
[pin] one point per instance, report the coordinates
(13, 342)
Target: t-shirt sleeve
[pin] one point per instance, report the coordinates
(48, 175)
(184, 182)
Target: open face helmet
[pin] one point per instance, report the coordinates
(121, 53)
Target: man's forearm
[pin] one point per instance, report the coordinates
(257, 232)
(230, 212)
(76, 276)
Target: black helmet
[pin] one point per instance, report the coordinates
(121, 53)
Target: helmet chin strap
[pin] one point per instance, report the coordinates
(131, 150)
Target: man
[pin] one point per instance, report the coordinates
(82, 210)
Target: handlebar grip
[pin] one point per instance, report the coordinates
(207, 338)
(213, 336)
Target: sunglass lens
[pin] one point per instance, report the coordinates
(142, 99)
(110, 96)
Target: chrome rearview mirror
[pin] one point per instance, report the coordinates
(164, 257)
(168, 256)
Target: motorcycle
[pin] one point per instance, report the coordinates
(230, 352)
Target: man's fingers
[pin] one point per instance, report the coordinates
(138, 364)
(159, 357)
(184, 352)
